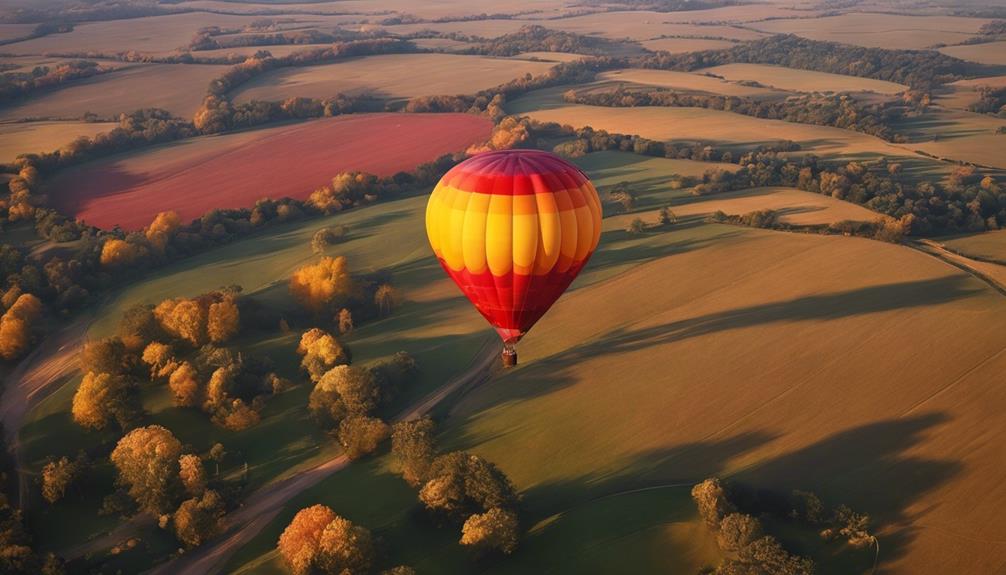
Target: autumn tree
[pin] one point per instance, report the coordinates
(198, 519)
(184, 319)
(711, 499)
(299, 542)
(326, 237)
(237, 416)
(412, 447)
(58, 475)
(192, 474)
(360, 435)
(219, 388)
(103, 398)
(147, 463)
(494, 530)
(108, 355)
(737, 531)
(345, 548)
(161, 359)
(385, 299)
(343, 390)
(345, 321)
(324, 285)
(184, 384)
(138, 327)
(223, 321)
(162, 229)
(460, 483)
(16, 326)
(119, 254)
(321, 352)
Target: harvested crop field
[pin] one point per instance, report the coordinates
(960, 136)
(231, 171)
(856, 370)
(177, 88)
(802, 80)
(151, 34)
(984, 245)
(989, 53)
(879, 30)
(794, 206)
(686, 81)
(33, 137)
(390, 76)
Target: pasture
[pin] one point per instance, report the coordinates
(177, 88)
(993, 53)
(196, 175)
(18, 138)
(390, 76)
(802, 80)
(876, 30)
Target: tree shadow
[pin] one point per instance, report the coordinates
(867, 466)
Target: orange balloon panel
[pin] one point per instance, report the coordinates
(513, 228)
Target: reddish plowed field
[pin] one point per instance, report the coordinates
(231, 171)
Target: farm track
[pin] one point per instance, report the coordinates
(264, 505)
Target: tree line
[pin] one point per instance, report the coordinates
(537, 38)
(218, 114)
(839, 110)
(918, 69)
(16, 85)
(968, 201)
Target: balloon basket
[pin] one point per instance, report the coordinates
(509, 355)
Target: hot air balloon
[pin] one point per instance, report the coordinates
(513, 229)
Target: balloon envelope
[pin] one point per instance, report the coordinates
(513, 229)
